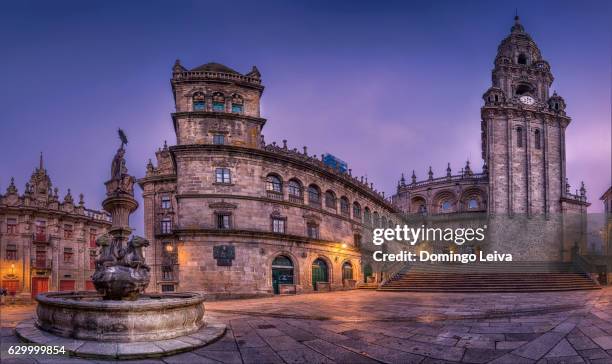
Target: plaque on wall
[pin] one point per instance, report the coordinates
(224, 254)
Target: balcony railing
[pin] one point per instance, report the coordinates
(41, 263)
(315, 203)
(40, 237)
(274, 195)
(296, 199)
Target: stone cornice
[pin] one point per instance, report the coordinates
(156, 178)
(258, 234)
(344, 179)
(63, 215)
(272, 201)
(215, 115)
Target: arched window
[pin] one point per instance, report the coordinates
(519, 137)
(294, 188)
(472, 203)
(273, 183)
(344, 206)
(274, 187)
(367, 217)
(522, 59)
(314, 196)
(523, 89)
(237, 104)
(199, 103)
(383, 222)
(446, 206)
(218, 102)
(376, 222)
(537, 139)
(347, 271)
(330, 200)
(356, 211)
(422, 209)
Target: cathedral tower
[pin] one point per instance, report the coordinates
(523, 131)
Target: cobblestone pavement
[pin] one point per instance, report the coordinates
(390, 327)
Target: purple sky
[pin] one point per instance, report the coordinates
(386, 86)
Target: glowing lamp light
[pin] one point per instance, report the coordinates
(169, 248)
(343, 245)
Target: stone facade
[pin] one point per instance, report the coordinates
(46, 244)
(230, 215)
(522, 187)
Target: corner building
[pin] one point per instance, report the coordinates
(233, 216)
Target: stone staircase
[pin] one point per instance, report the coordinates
(489, 277)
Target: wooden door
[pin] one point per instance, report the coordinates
(39, 285)
(67, 285)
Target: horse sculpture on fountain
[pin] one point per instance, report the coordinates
(121, 272)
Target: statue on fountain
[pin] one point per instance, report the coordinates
(121, 272)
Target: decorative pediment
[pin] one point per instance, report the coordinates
(222, 205)
(312, 217)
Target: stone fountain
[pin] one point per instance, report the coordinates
(120, 321)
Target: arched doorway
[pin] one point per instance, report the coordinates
(282, 272)
(367, 272)
(347, 271)
(319, 272)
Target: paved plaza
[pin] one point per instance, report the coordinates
(388, 327)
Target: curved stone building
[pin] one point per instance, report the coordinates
(231, 215)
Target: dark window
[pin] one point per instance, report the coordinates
(166, 226)
(295, 191)
(537, 139)
(198, 102)
(356, 211)
(68, 255)
(219, 139)
(519, 137)
(523, 89)
(11, 252)
(344, 206)
(11, 226)
(218, 102)
(314, 196)
(167, 287)
(376, 220)
(278, 225)
(67, 231)
(357, 240)
(273, 183)
(312, 230)
(422, 209)
(522, 59)
(93, 233)
(167, 273)
(237, 104)
(223, 175)
(472, 203)
(496, 98)
(165, 202)
(367, 217)
(330, 200)
(224, 221)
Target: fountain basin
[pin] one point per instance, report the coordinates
(86, 316)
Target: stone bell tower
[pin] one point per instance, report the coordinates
(217, 105)
(523, 131)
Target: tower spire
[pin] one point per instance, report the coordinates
(40, 162)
